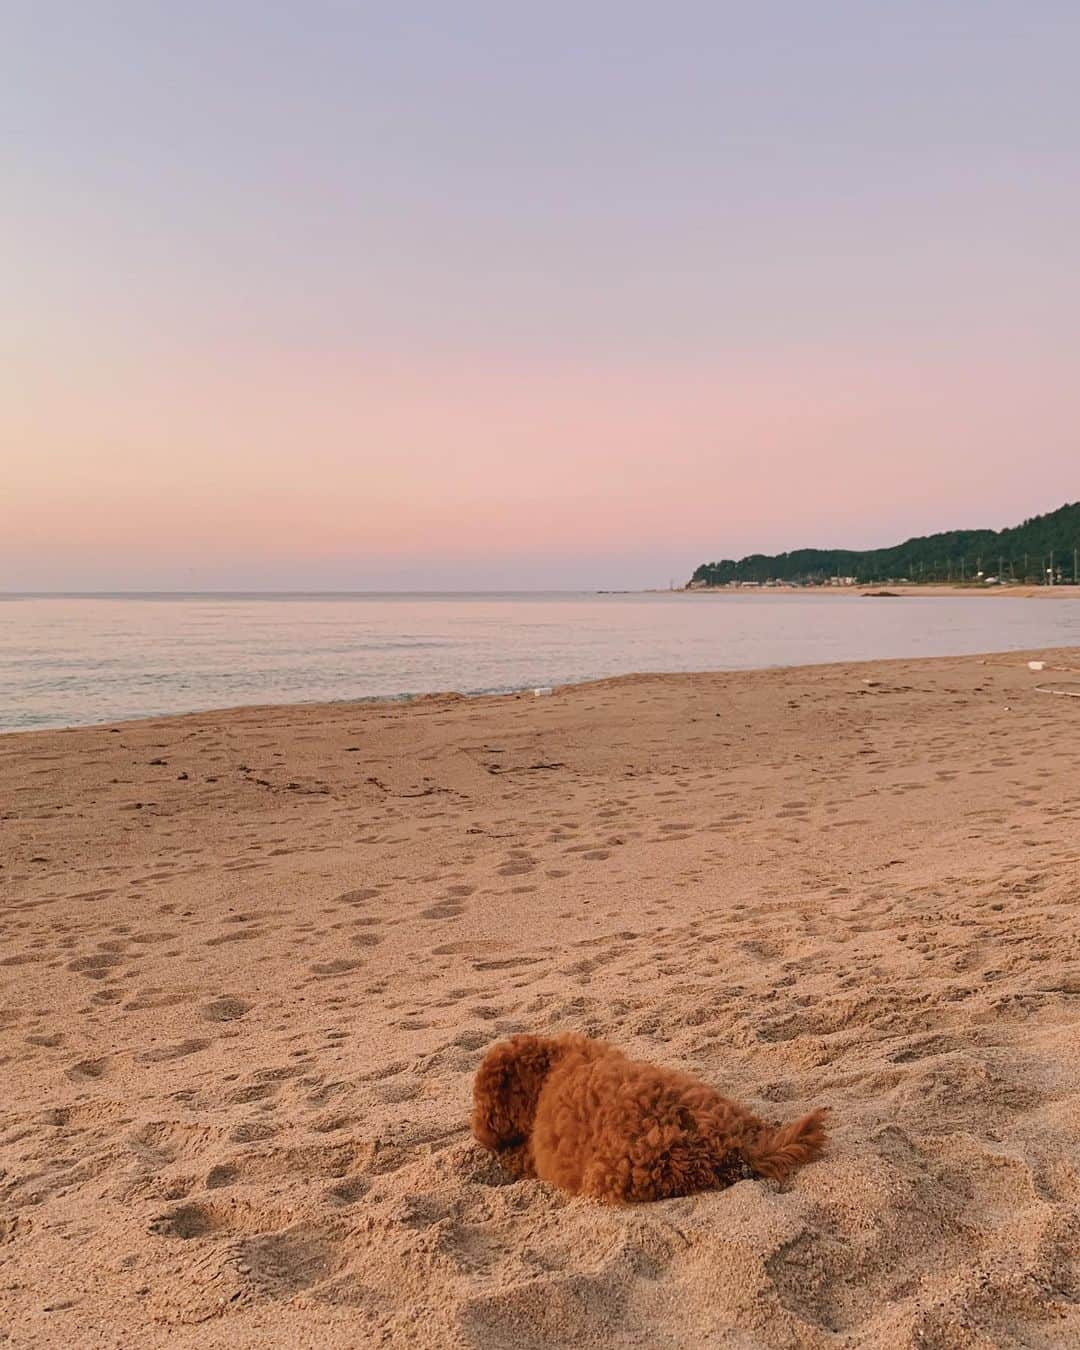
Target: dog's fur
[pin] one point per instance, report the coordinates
(578, 1113)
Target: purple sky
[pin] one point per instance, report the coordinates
(493, 295)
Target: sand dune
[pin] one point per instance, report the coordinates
(250, 961)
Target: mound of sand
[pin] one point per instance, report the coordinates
(251, 960)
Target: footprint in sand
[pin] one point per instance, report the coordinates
(349, 1191)
(95, 967)
(358, 897)
(341, 966)
(509, 963)
(224, 1174)
(224, 1009)
(468, 948)
(443, 911)
(88, 1069)
(516, 867)
(281, 1265)
(163, 1054)
(186, 1222)
(253, 1131)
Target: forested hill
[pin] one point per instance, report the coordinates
(1022, 552)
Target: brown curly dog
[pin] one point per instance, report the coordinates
(578, 1113)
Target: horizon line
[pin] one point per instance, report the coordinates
(516, 590)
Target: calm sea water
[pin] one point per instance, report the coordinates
(74, 660)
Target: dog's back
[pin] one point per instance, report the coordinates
(599, 1124)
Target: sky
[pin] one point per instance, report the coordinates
(493, 295)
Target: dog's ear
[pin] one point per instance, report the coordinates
(505, 1090)
(492, 1091)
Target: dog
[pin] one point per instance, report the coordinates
(577, 1113)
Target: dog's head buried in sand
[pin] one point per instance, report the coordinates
(578, 1113)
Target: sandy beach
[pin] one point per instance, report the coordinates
(251, 960)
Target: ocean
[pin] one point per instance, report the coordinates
(70, 660)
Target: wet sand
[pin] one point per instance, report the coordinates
(250, 960)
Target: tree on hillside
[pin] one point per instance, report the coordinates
(1023, 552)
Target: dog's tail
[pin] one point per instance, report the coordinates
(777, 1153)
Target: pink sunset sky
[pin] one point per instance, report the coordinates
(450, 297)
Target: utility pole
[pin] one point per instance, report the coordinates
(1051, 569)
(1076, 552)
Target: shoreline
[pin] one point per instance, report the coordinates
(526, 692)
(252, 959)
(874, 591)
